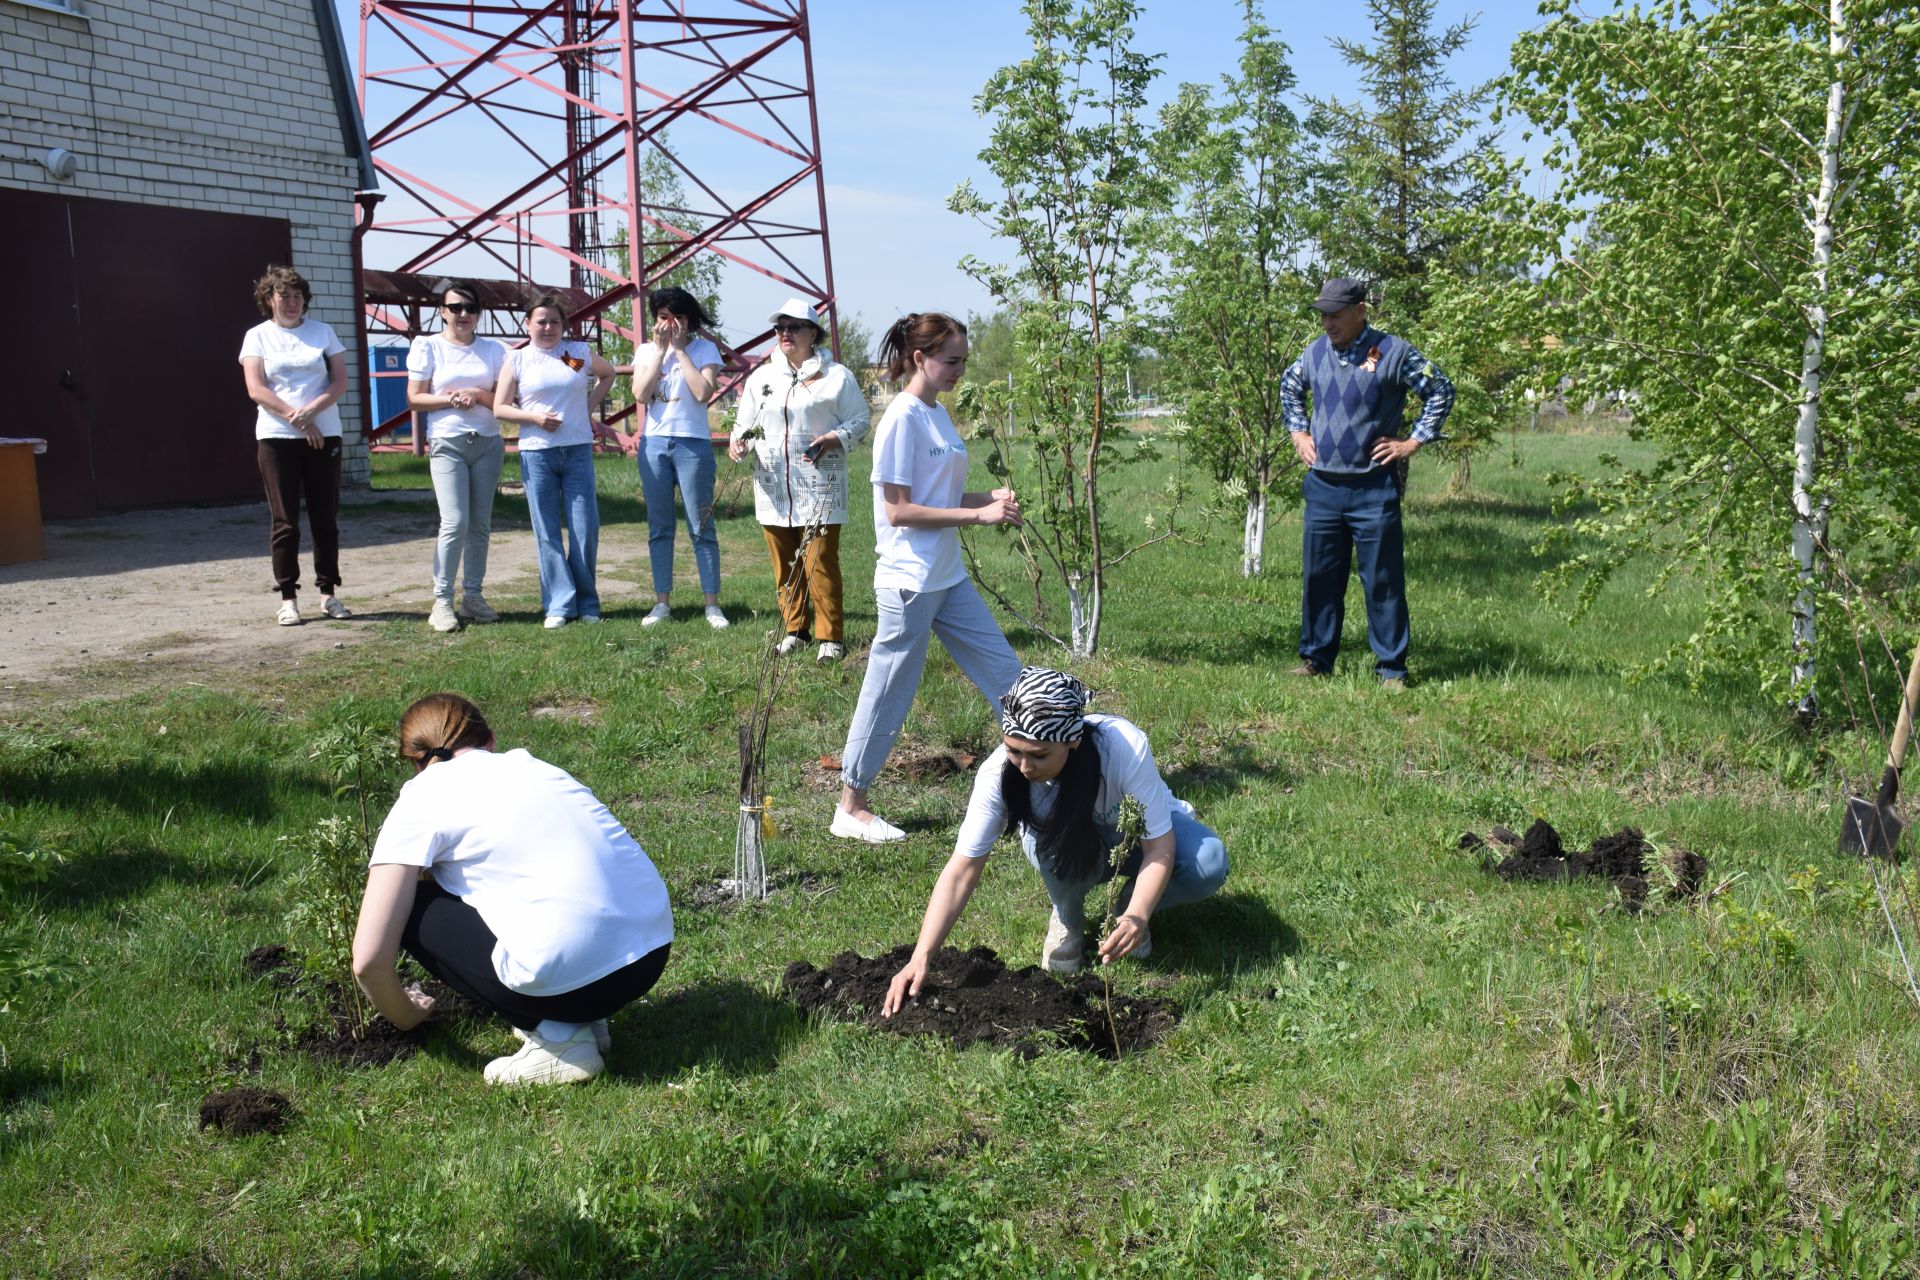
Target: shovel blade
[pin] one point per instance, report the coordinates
(1871, 829)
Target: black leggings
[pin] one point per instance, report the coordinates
(453, 943)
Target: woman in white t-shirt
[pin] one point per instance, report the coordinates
(509, 882)
(676, 376)
(450, 378)
(549, 387)
(296, 372)
(920, 585)
(1060, 776)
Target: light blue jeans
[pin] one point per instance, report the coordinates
(560, 498)
(908, 620)
(1199, 869)
(466, 471)
(667, 461)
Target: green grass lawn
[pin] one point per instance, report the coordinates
(1390, 1062)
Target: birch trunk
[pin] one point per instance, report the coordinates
(1253, 542)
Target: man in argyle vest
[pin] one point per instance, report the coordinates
(1358, 379)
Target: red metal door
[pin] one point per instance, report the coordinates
(40, 331)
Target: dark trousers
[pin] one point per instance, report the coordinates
(453, 943)
(292, 470)
(1346, 514)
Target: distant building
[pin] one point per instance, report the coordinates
(155, 157)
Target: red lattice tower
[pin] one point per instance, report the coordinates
(511, 139)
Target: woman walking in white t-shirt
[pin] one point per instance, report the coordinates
(296, 372)
(539, 906)
(920, 584)
(1059, 776)
(550, 386)
(676, 376)
(450, 378)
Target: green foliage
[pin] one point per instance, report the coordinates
(664, 197)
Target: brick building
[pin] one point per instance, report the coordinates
(155, 157)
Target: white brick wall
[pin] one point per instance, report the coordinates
(162, 103)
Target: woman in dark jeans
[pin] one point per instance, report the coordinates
(296, 371)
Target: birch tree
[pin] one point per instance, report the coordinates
(1729, 219)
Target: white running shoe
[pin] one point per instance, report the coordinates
(602, 1035)
(554, 622)
(474, 607)
(716, 619)
(289, 615)
(660, 613)
(831, 651)
(788, 643)
(1063, 949)
(876, 831)
(548, 1061)
(331, 606)
(443, 617)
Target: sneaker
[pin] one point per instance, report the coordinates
(660, 613)
(474, 608)
(788, 643)
(331, 606)
(1062, 949)
(876, 831)
(1307, 669)
(548, 1061)
(554, 622)
(831, 651)
(1394, 684)
(602, 1036)
(716, 619)
(590, 619)
(443, 617)
(289, 615)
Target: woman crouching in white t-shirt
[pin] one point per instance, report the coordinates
(1060, 775)
(920, 583)
(540, 906)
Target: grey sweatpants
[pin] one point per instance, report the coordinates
(908, 619)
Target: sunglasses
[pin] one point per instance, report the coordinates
(462, 308)
(793, 328)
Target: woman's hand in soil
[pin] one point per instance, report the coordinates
(905, 986)
(421, 1002)
(1122, 938)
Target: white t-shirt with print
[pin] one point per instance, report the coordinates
(569, 895)
(554, 381)
(917, 445)
(673, 412)
(295, 364)
(1127, 768)
(445, 365)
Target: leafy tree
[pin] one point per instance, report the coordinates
(856, 342)
(1727, 230)
(1238, 226)
(1070, 149)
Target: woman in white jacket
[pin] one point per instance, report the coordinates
(800, 415)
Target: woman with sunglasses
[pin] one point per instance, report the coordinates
(450, 378)
(800, 415)
(1059, 776)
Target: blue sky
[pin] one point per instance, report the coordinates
(895, 85)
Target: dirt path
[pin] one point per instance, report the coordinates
(152, 597)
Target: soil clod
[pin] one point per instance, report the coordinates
(245, 1110)
(971, 997)
(1621, 858)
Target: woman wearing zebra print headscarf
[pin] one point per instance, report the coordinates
(1059, 776)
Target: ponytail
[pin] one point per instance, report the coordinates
(922, 331)
(438, 725)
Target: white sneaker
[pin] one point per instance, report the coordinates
(660, 613)
(289, 615)
(474, 606)
(549, 1061)
(831, 651)
(1063, 948)
(331, 606)
(788, 643)
(554, 622)
(443, 617)
(716, 619)
(877, 831)
(602, 1036)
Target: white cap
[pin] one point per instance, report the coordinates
(796, 308)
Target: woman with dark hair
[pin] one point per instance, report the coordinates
(509, 882)
(676, 376)
(920, 584)
(551, 385)
(1059, 776)
(296, 372)
(800, 415)
(451, 376)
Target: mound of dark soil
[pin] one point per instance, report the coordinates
(331, 1039)
(972, 997)
(722, 895)
(245, 1110)
(1620, 858)
(278, 963)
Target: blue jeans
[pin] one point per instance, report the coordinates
(1199, 869)
(1348, 513)
(666, 461)
(560, 497)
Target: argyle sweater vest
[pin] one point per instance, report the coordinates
(1354, 404)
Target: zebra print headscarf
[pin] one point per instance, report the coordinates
(1045, 705)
